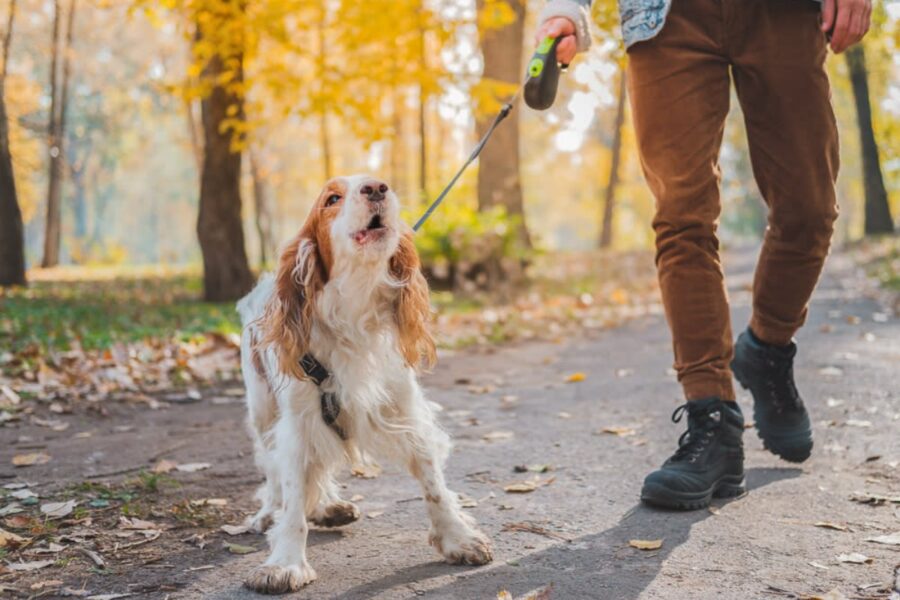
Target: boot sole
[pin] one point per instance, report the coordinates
(728, 486)
(794, 448)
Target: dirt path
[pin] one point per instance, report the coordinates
(765, 545)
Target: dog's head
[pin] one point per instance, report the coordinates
(353, 230)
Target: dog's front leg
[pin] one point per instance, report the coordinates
(286, 569)
(453, 532)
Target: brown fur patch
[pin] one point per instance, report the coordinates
(413, 305)
(303, 271)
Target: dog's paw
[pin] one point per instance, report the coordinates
(260, 522)
(337, 514)
(275, 579)
(469, 548)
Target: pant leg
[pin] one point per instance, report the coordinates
(778, 55)
(679, 89)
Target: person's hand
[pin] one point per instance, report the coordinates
(555, 27)
(847, 20)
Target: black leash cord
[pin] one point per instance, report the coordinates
(504, 112)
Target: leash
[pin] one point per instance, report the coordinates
(540, 85)
(541, 81)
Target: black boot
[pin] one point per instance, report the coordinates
(709, 460)
(781, 419)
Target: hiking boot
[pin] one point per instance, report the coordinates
(709, 460)
(781, 419)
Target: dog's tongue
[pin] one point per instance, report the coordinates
(360, 236)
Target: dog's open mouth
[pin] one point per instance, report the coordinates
(373, 231)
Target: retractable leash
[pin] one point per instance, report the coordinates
(540, 85)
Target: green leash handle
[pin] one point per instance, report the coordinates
(542, 78)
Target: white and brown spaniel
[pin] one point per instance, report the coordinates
(349, 308)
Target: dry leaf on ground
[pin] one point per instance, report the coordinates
(646, 544)
(165, 466)
(830, 525)
(619, 431)
(57, 510)
(193, 467)
(239, 549)
(854, 558)
(27, 460)
(136, 524)
(30, 566)
(890, 540)
(368, 471)
(10, 540)
(537, 529)
(496, 436)
(235, 529)
(576, 377)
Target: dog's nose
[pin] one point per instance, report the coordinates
(374, 190)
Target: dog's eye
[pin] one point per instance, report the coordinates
(332, 199)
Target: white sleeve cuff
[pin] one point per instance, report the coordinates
(575, 12)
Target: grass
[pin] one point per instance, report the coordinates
(99, 312)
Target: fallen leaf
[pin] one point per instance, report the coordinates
(620, 431)
(136, 524)
(10, 540)
(624, 372)
(239, 549)
(576, 377)
(374, 514)
(30, 566)
(109, 596)
(11, 509)
(193, 467)
(891, 540)
(873, 499)
(564, 415)
(27, 460)
(858, 423)
(495, 436)
(831, 371)
(830, 525)
(219, 502)
(646, 544)
(522, 487)
(23, 494)
(504, 595)
(854, 558)
(834, 594)
(165, 466)
(532, 468)
(235, 529)
(57, 510)
(813, 563)
(11, 397)
(367, 471)
(39, 585)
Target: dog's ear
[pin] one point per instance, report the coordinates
(412, 306)
(290, 312)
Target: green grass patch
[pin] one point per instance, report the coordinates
(53, 315)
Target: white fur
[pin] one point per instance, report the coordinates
(383, 408)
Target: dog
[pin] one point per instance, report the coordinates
(330, 350)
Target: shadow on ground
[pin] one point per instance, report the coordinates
(597, 566)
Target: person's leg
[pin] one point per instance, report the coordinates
(779, 74)
(679, 86)
(780, 77)
(679, 90)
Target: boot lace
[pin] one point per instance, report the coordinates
(696, 439)
(780, 386)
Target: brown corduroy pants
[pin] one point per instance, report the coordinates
(679, 83)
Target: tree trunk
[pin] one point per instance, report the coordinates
(423, 121)
(877, 212)
(498, 171)
(606, 231)
(52, 226)
(262, 206)
(226, 273)
(12, 236)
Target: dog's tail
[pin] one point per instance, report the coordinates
(252, 306)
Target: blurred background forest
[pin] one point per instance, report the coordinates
(159, 137)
